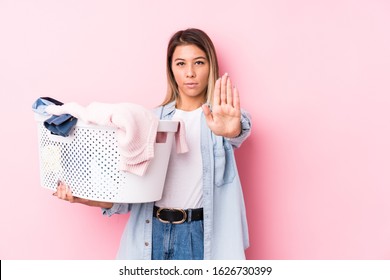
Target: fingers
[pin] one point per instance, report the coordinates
(236, 98)
(63, 192)
(224, 91)
(207, 112)
(224, 80)
(229, 94)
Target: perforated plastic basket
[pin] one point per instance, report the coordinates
(87, 161)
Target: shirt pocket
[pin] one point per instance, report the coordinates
(223, 164)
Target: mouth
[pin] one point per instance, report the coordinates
(190, 85)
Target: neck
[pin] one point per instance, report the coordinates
(189, 105)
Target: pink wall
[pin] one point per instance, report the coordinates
(314, 75)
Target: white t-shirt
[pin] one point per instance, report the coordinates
(183, 184)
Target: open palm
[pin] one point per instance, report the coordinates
(225, 117)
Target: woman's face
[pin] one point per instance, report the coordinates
(191, 69)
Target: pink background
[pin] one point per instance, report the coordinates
(313, 74)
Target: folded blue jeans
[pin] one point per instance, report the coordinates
(57, 125)
(60, 125)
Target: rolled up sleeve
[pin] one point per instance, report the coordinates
(117, 208)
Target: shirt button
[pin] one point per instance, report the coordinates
(146, 243)
(147, 221)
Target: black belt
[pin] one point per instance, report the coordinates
(177, 216)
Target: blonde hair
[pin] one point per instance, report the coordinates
(199, 38)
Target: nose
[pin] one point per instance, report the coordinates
(190, 72)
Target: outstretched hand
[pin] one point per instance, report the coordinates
(225, 117)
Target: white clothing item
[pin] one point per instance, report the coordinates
(183, 184)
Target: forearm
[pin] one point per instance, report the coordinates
(63, 192)
(93, 203)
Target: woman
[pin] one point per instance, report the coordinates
(201, 214)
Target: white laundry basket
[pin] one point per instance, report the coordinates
(87, 160)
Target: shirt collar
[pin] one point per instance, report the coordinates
(167, 109)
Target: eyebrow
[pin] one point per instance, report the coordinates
(199, 57)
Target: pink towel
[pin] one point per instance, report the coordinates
(136, 129)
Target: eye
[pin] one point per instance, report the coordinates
(180, 63)
(199, 62)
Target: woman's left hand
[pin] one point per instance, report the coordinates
(225, 117)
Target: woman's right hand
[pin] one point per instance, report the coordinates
(64, 192)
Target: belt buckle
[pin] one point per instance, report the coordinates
(171, 209)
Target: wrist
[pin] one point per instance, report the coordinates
(236, 133)
(100, 204)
